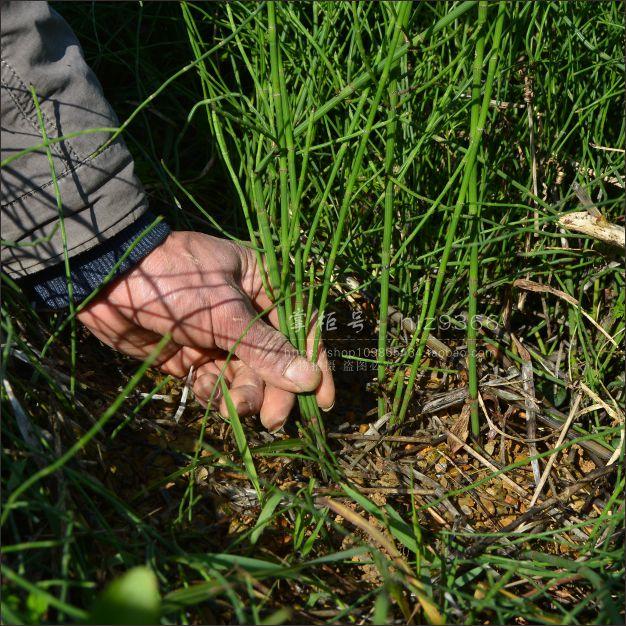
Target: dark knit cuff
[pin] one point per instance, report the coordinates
(89, 269)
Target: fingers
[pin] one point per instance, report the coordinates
(106, 322)
(246, 391)
(179, 363)
(266, 351)
(246, 388)
(276, 407)
(206, 388)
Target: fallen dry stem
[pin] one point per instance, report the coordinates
(596, 227)
(546, 472)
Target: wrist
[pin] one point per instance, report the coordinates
(102, 264)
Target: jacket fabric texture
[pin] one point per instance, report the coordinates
(101, 198)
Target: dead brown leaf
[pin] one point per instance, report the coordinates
(460, 428)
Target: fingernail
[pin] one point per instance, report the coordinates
(303, 374)
(278, 426)
(243, 408)
(327, 409)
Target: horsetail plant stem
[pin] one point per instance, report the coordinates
(386, 247)
(399, 24)
(474, 220)
(331, 179)
(278, 100)
(289, 186)
(470, 156)
(364, 78)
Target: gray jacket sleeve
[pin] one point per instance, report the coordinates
(100, 195)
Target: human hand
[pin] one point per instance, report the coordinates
(205, 292)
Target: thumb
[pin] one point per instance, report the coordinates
(265, 350)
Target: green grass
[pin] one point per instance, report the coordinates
(424, 152)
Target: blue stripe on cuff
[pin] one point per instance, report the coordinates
(89, 269)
